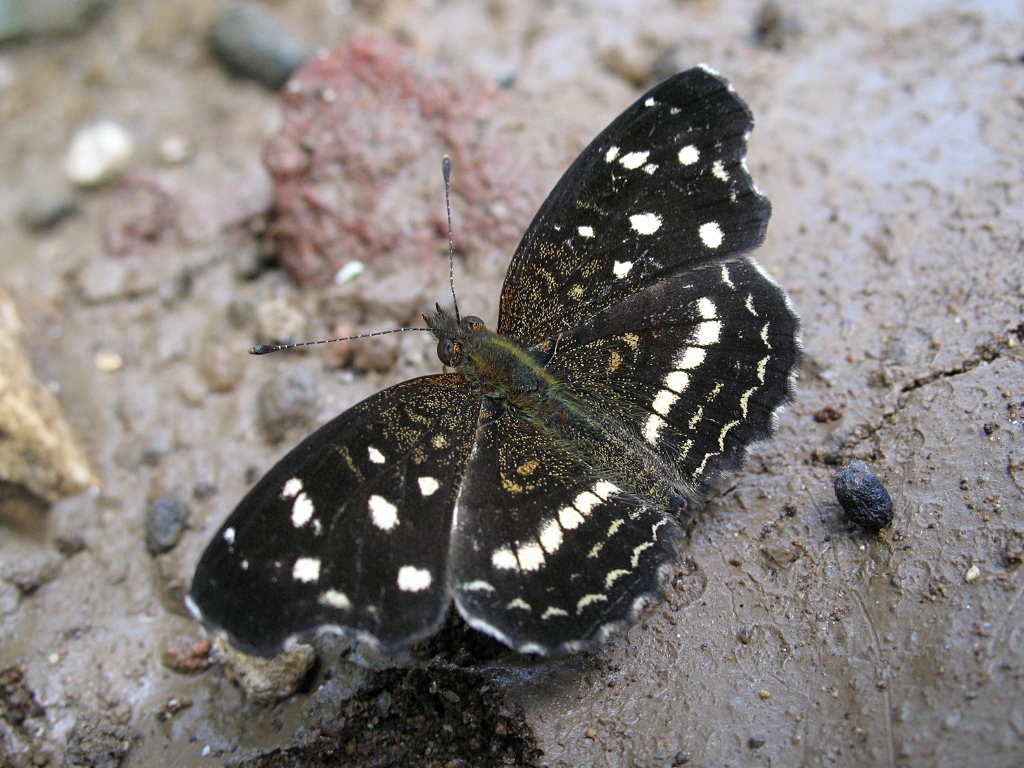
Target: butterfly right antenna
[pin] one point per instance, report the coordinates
(446, 169)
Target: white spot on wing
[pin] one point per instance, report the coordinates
(677, 381)
(306, 569)
(531, 557)
(413, 579)
(519, 603)
(383, 513)
(725, 431)
(585, 502)
(707, 333)
(551, 536)
(229, 536)
(653, 428)
(664, 401)
(585, 231)
(590, 600)
(690, 358)
(569, 518)
(726, 278)
(718, 171)
(477, 586)
(689, 155)
(745, 398)
(552, 611)
(650, 168)
(335, 599)
(612, 577)
(504, 560)
(302, 510)
(637, 551)
(376, 456)
(621, 268)
(707, 308)
(634, 160)
(611, 154)
(646, 223)
(649, 101)
(428, 486)
(711, 234)
(604, 489)
(291, 488)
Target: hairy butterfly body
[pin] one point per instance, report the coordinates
(638, 353)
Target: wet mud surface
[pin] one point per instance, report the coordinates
(889, 137)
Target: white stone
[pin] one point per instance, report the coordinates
(98, 153)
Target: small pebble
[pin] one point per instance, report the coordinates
(863, 497)
(279, 322)
(286, 401)
(98, 153)
(251, 43)
(165, 522)
(174, 149)
(972, 574)
(108, 362)
(756, 742)
(47, 211)
(29, 18)
(591, 733)
(349, 271)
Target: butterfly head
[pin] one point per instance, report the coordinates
(453, 334)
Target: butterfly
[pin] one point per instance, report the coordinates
(638, 353)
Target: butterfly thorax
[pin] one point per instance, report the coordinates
(495, 364)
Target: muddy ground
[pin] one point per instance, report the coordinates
(890, 139)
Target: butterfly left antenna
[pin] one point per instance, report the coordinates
(263, 349)
(446, 169)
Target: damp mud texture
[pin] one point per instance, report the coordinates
(889, 138)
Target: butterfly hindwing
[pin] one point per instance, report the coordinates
(662, 189)
(547, 555)
(348, 531)
(695, 366)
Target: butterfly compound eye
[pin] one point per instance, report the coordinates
(449, 352)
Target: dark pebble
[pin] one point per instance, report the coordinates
(681, 758)
(165, 522)
(251, 43)
(204, 489)
(287, 401)
(29, 18)
(863, 497)
(755, 742)
(43, 213)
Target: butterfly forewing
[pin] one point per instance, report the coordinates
(548, 555)
(662, 189)
(350, 530)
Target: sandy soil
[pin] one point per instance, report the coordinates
(890, 139)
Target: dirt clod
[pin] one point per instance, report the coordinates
(864, 499)
(97, 740)
(165, 522)
(435, 717)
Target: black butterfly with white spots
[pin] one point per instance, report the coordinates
(638, 353)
